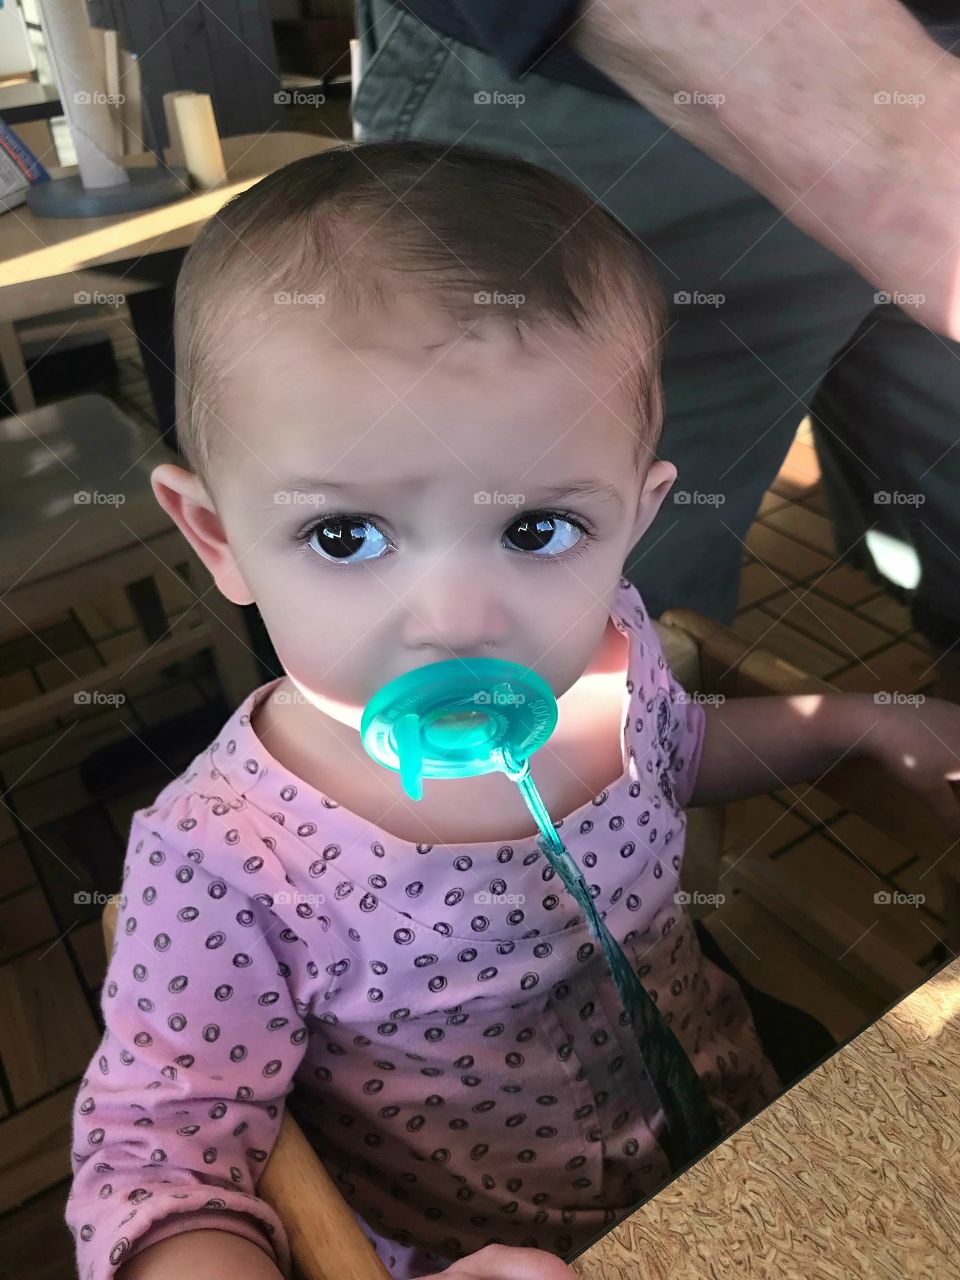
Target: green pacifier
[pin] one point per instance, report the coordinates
(457, 719)
(465, 717)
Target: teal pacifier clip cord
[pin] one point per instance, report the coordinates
(472, 716)
(690, 1125)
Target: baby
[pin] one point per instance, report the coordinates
(419, 396)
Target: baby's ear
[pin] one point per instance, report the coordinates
(656, 485)
(186, 501)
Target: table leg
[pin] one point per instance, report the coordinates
(152, 314)
(19, 392)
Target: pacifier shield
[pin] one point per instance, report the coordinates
(449, 719)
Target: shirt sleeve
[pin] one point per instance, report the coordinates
(514, 32)
(183, 1099)
(691, 718)
(518, 32)
(681, 721)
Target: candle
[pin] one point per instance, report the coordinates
(199, 139)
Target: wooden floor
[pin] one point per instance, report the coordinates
(60, 839)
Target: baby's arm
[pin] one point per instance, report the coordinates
(752, 745)
(182, 1101)
(212, 1255)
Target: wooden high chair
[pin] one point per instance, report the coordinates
(806, 954)
(78, 520)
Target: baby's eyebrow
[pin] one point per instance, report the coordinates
(540, 494)
(307, 484)
(579, 489)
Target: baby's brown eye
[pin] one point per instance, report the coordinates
(544, 534)
(341, 538)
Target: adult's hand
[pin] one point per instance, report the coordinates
(844, 113)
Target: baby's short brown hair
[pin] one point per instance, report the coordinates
(481, 233)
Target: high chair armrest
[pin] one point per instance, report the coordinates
(325, 1239)
(819, 919)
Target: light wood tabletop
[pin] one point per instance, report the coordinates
(851, 1173)
(45, 261)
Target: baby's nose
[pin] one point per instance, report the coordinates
(458, 627)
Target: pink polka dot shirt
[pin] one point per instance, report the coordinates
(461, 1063)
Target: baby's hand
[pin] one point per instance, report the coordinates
(920, 744)
(500, 1262)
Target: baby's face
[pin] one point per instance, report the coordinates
(398, 494)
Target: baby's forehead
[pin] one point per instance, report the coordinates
(305, 380)
(313, 330)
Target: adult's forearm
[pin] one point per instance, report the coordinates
(210, 1254)
(793, 100)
